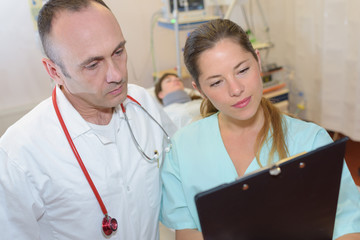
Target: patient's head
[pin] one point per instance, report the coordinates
(168, 83)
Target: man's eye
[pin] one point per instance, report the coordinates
(118, 52)
(91, 66)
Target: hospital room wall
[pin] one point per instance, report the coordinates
(296, 28)
(24, 82)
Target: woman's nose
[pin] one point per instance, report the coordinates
(235, 88)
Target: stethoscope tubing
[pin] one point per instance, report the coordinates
(72, 145)
(78, 158)
(132, 100)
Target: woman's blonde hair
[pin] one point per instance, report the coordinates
(274, 124)
(205, 37)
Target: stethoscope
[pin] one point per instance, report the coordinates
(156, 155)
(109, 225)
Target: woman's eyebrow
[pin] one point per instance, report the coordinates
(236, 66)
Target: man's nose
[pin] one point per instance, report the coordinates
(114, 73)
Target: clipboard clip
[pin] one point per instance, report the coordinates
(275, 170)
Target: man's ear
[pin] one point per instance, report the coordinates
(195, 87)
(53, 71)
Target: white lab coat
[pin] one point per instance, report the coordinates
(44, 193)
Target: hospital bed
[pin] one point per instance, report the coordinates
(181, 113)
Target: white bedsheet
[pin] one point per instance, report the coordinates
(181, 113)
(184, 113)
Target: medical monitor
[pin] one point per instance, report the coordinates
(187, 9)
(189, 5)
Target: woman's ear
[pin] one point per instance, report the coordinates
(53, 71)
(195, 87)
(258, 58)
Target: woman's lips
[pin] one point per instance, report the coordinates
(243, 103)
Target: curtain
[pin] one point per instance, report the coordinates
(340, 68)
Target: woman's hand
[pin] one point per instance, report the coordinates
(188, 234)
(350, 236)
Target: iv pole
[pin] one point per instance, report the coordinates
(177, 38)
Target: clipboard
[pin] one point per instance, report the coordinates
(292, 199)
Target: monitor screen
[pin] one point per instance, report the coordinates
(192, 5)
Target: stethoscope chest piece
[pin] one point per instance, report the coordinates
(109, 225)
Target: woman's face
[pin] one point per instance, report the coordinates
(230, 78)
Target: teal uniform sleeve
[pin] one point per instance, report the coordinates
(175, 213)
(348, 209)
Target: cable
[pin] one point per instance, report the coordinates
(252, 17)
(265, 22)
(154, 19)
(245, 17)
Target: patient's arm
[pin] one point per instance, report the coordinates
(351, 236)
(188, 234)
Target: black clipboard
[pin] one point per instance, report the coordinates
(293, 199)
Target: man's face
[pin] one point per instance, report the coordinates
(91, 48)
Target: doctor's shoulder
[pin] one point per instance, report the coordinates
(141, 95)
(35, 122)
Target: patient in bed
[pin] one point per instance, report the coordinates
(181, 104)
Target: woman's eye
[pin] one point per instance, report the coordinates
(244, 70)
(215, 83)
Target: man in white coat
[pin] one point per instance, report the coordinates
(90, 155)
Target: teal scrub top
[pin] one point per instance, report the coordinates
(199, 161)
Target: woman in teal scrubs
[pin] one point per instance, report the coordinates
(241, 131)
